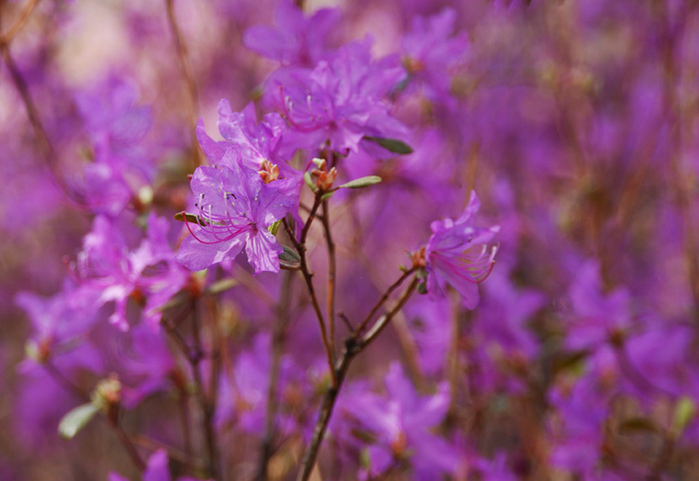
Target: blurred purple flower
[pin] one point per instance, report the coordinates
(150, 275)
(597, 316)
(403, 423)
(116, 128)
(457, 254)
(432, 54)
(296, 40)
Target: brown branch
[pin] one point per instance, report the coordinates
(353, 346)
(113, 423)
(278, 340)
(332, 269)
(39, 131)
(308, 278)
(128, 445)
(384, 298)
(195, 358)
(21, 21)
(191, 86)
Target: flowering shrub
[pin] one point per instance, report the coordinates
(469, 237)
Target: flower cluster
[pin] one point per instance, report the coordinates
(207, 210)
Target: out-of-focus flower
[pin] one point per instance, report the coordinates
(150, 275)
(432, 54)
(403, 424)
(297, 40)
(458, 254)
(116, 128)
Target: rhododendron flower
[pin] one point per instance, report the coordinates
(403, 425)
(148, 274)
(235, 209)
(458, 254)
(297, 39)
(339, 102)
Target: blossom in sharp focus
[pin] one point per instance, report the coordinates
(458, 254)
(235, 208)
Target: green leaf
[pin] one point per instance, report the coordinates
(362, 182)
(308, 178)
(569, 360)
(392, 145)
(290, 259)
(685, 410)
(319, 162)
(274, 228)
(191, 218)
(76, 419)
(222, 285)
(327, 195)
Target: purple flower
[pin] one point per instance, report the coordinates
(297, 40)
(254, 142)
(597, 316)
(116, 128)
(457, 254)
(336, 104)
(403, 425)
(578, 429)
(431, 54)
(235, 210)
(148, 274)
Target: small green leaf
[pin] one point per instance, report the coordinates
(327, 195)
(76, 419)
(685, 410)
(274, 228)
(392, 145)
(308, 178)
(290, 259)
(319, 162)
(362, 182)
(194, 219)
(222, 285)
(191, 218)
(569, 360)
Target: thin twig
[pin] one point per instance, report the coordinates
(332, 269)
(278, 340)
(384, 298)
(42, 137)
(113, 423)
(21, 21)
(195, 359)
(172, 452)
(308, 278)
(353, 346)
(191, 86)
(128, 445)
